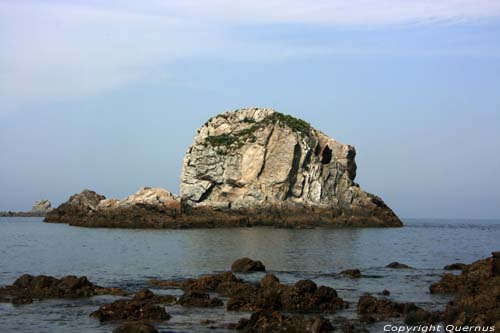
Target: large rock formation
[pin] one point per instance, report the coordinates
(261, 159)
(246, 167)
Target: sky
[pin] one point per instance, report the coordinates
(108, 95)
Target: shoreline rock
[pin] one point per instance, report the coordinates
(477, 294)
(27, 287)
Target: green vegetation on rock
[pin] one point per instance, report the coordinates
(297, 125)
(238, 139)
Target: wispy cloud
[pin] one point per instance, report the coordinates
(60, 49)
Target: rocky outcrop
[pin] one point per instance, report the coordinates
(246, 167)
(304, 296)
(477, 294)
(245, 265)
(41, 206)
(397, 265)
(193, 298)
(372, 309)
(136, 327)
(255, 159)
(130, 311)
(78, 208)
(147, 208)
(28, 287)
(274, 321)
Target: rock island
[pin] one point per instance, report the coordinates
(246, 167)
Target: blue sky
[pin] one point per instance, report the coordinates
(109, 96)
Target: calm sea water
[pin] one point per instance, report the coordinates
(129, 258)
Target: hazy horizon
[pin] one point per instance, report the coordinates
(109, 96)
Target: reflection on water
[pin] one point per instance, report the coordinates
(128, 258)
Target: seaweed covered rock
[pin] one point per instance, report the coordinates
(199, 299)
(245, 265)
(258, 159)
(219, 282)
(305, 296)
(378, 309)
(130, 310)
(28, 287)
(477, 294)
(136, 327)
(274, 321)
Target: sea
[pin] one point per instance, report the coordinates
(128, 259)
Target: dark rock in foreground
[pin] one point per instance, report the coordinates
(148, 296)
(368, 304)
(305, 296)
(221, 283)
(130, 310)
(245, 265)
(273, 321)
(28, 287)
(477, 289)
(139, 327)
(199, 299)
(372, 309)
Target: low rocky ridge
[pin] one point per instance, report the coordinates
(39, 209)
(147, 208)
(28, 287)
(246, 167)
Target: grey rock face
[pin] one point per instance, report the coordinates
(41, 206)
(255, 158)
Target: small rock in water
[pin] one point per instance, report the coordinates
(386, 292)
(136, 328)
(199, 299)
(28, 287)
(455, 267)
(244, 265)
(354, 273)
(143, 294)
(274, 321)
(130, 311)
(396, 264)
